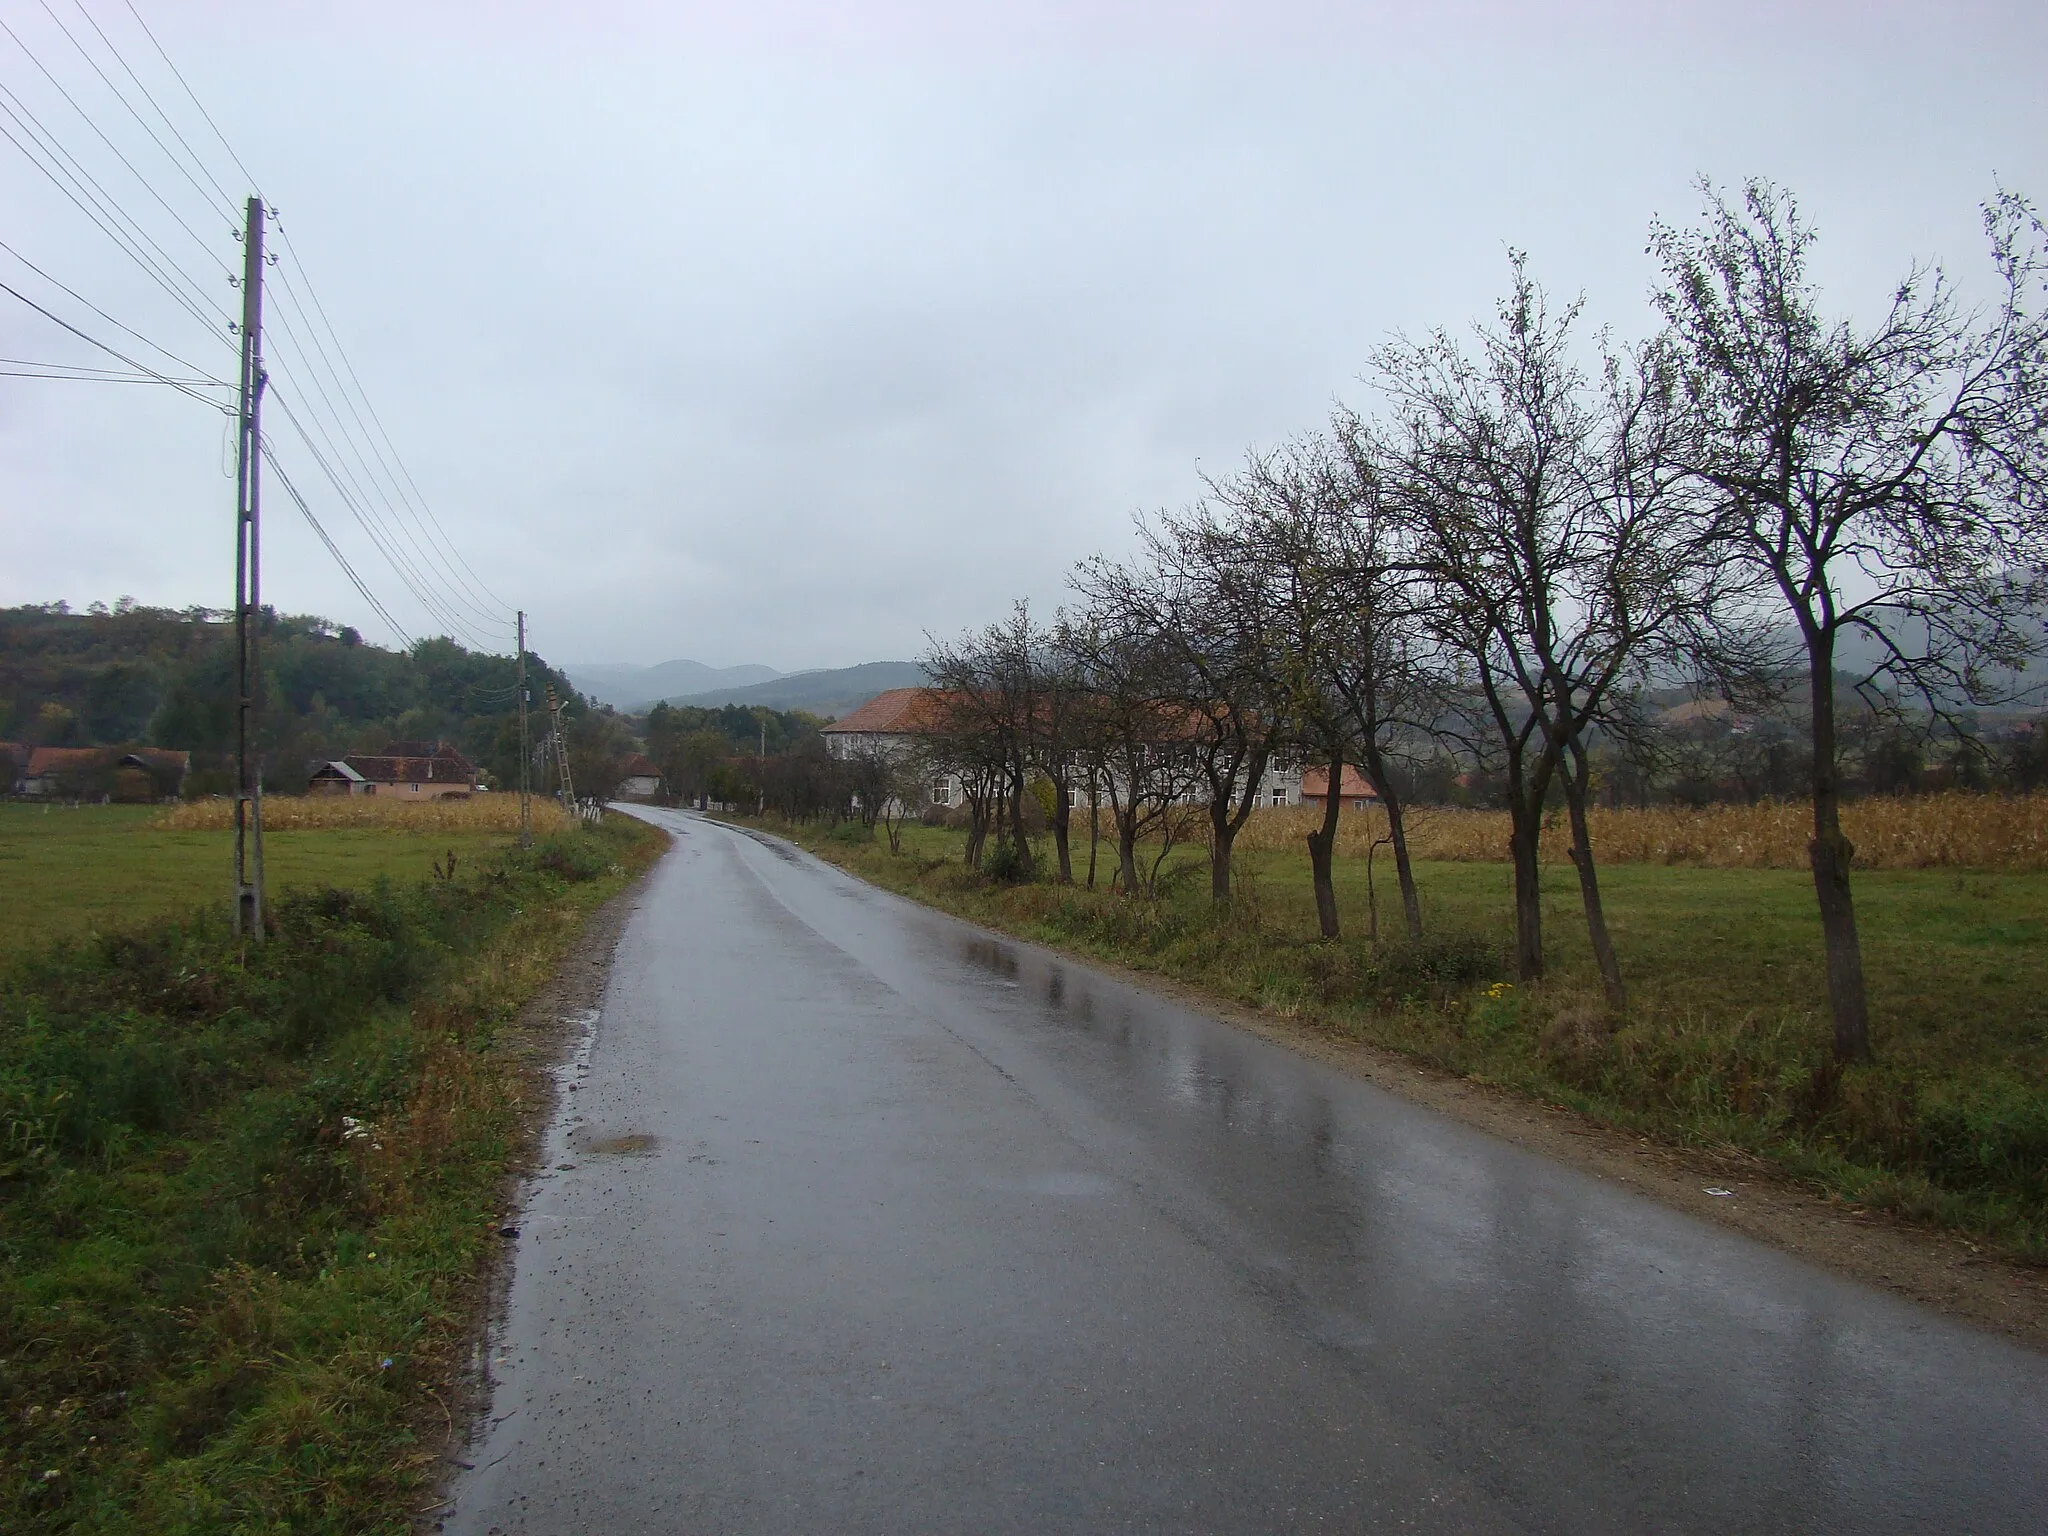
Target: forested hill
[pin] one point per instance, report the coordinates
(166, 678)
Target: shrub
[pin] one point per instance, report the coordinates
(1433, 966)
(1002, 865)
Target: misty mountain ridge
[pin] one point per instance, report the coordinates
(833, 691)
(625, 685)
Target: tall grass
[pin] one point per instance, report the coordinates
(1955, 830)
(321, 813)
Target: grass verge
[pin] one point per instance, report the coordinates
(248, 1195)
(1725, 1045)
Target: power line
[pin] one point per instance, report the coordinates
(22, 368)
(227, 201)
(423, 513)
(421, 590)
(147, 184)
(112, 352)
(116, 91)
(422, 559)
(101, 208)
(306, 511)
(193, 96)
(88, 303)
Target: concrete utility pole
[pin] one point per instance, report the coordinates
(249, 590)
(525, 752)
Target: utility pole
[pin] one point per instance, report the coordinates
(249, 590)
(525, 752)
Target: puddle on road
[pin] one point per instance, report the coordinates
(630, 1145)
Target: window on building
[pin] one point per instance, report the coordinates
(942, 792)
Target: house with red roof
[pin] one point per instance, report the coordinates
(123, 775)
(413, 770)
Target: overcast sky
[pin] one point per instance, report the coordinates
(787, 338)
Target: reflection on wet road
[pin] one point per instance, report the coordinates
(862, 1220)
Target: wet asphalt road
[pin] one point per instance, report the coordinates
(936, 1233)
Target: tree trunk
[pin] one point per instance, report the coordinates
(1397, 834)
(1127, 853)
(1831, 853)
(1062, 820)
(1527, 820)
(1575, 785)
(1222, 836)
(1018, 790)
(1094, 826)
(1322, 845)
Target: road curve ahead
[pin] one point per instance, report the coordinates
(867, 1221)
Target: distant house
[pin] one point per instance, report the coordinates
(896, 721)
(336, 778)
(124, 775)
(641, 780)
(1315, 785)
(413, 770)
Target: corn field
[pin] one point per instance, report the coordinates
(1954, 830)
(320, 813)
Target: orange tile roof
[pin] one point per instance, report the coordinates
(896, 712)
(1315, 783)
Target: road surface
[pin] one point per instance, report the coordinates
(867, 1221)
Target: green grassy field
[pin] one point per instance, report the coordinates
(249, 1194)
(96, 868)
(1725, 1042)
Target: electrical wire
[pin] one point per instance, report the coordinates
(87, 118)
(370, 488)
(227, 201)
(360, 459)
(465, 582)
(88, 303)
(306, 511)
(102, 209)
(113, 353)
(420, 590)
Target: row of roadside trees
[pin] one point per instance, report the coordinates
(1530, 533)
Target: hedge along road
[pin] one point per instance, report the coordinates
(865, 1220)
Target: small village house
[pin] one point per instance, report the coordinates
(336, 778)
(1351, 788)
(411, 770)
(899, 720)
(640, 780)
(121, 775)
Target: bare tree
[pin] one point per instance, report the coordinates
(1059, 729)
(1199, 601)
(987, 684)
(1885, 479)
(1380, 662)
(1558, 553)
(1133, 739)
